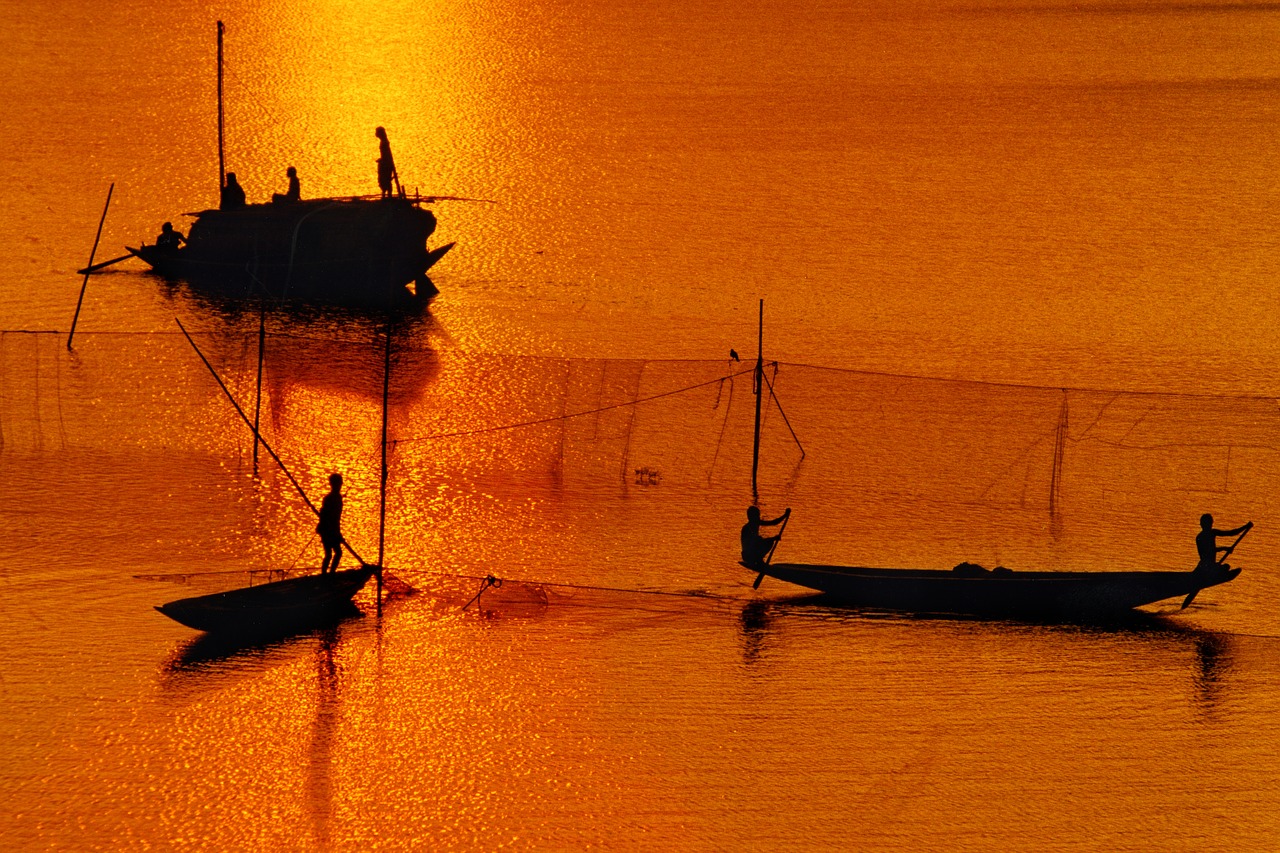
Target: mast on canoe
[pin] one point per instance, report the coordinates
(758, 385)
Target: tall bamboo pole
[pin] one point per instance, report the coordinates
(382, 487)
(759, 389)
(89, 267)
(222, 159)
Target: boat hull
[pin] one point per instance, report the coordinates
(354, 251)
(280, 605)
(1051, 595)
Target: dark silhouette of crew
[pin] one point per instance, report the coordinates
(755, 547)
(232, 194)
(330, 526)
(169, 240)
(386, 163)
(1207, 543)
(294, 193)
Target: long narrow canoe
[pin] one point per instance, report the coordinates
(293, 603)
(995, 593)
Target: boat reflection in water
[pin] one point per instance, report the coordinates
(224, 652)
(763, 624)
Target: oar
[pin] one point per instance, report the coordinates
(103, 264)
(1227, 553)
(772, 548)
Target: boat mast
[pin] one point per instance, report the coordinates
(758, 383)
(222, 160)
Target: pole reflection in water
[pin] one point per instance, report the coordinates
(320, 794)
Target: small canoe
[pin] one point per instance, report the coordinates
(287, 604)
(1052, 595)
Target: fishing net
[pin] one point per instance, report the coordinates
(1019, 475)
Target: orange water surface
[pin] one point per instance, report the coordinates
(1017, 261)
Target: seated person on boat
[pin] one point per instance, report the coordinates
(169, 239)
(294, 193)
(755, 547)
(232, 194)
(1207, 543)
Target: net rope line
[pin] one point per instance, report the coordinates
(555, 418)
(704, 596)
(881, 374)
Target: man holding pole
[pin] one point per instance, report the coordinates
(755, 547)
(330, 526)
(1207, 543)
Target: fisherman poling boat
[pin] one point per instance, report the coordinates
(974, 590)
(300, 602)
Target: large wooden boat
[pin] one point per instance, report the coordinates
(360, 251)
(972, 590)
(277, 606)
(364, 251)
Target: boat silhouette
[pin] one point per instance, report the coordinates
(350, 251)
(1028, 594)
(973, 590)
(293, 603)
(276, 606)
(357, 250)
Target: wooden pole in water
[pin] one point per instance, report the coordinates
(222, 160)
(759, 389)
(257, 395)
(382, 487)
(104, 264)
(88, 267)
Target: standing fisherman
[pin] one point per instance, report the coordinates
(330, 526)
(386, 164)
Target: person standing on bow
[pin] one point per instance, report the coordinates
(330, 526)
(386, 164)
(1207, 542)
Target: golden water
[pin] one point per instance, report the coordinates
(1053, 196)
